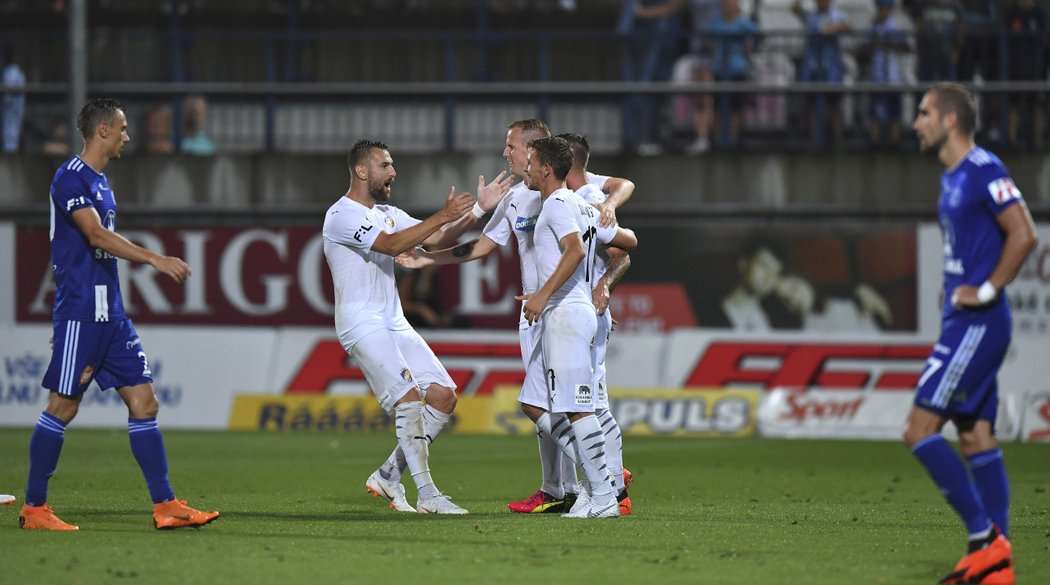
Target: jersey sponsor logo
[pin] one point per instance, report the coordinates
(525, 224)
(954, 266)
(362, 231)
(76, 201)
(1003, 190)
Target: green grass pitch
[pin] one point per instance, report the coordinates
(706, 511)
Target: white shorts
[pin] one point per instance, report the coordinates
(534, 388)
(395, 362)
(601, 346)
(568, 333)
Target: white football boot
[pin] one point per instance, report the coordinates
(393, 491)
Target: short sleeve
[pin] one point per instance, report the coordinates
(606, 234)
(355, 228)
(498, 227)
(999, 192)
(560, 218)
(402, 220)
(70, 194)
(599, 180)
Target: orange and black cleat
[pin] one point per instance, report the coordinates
(176, 514)
(982, 564)
(41, 518)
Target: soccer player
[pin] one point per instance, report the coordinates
(93, 337)
(516, 216)
(609, 266)
(361, 236)
(567, 235)
(987, 233)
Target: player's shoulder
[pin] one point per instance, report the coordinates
(591, 193)
(73, 173)
(984, 162)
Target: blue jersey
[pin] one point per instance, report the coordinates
(87, 288)
(973, 194)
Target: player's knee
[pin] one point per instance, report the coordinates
(62, 408)
(442, 398)
(145, 406)
(912, 435)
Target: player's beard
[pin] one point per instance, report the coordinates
(379, 191)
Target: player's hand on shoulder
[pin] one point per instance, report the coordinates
(490, 195)
(608, 214)
(174, 267)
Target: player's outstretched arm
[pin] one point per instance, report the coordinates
(89, 224)
(477, 248)
(489, 195)
(404, 240)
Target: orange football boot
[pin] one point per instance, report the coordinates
(176, 514)
(41, 518)
(982, 563)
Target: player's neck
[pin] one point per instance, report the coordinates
(575, 179)
(94, 159)
(361, 197)
(954, 150)
(550, 187)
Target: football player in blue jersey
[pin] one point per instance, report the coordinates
(94, 340)
(987, 233)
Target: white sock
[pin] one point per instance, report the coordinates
(434, 422)
(613, 447)
(569, 481)
(590, 446)
(411, 438)
(561, 432)
(550, 463)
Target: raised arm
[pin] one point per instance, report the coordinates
(488, 197)
(90, 224)
(404, 240)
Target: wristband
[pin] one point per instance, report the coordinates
(986, 293)
(478, 211)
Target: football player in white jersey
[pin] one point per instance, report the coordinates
(566, 236)
(361, 236)
(516, 216)
(610, 264)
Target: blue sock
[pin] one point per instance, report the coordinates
(949, 473)
(989, 474)
(148, 446)
(44, 448)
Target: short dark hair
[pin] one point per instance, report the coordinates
(361, 150)
(952, 97)
(555, 152)
(581, 151)
(531, 128)
(95, 112)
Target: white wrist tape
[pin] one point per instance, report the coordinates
(986, 293)
(478, 211)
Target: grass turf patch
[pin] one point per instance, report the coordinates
(706, 511)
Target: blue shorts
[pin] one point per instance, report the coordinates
(958, 381)
(109, 353)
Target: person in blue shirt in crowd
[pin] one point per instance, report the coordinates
(822, 61)
(733, 32)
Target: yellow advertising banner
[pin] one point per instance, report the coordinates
(639, 412)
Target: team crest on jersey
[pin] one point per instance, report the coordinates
(389, 222)
(406, 375)
(1003, 190)
(584, 396)
(85, 376)
(525, 224)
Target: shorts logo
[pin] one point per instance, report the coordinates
(583, 395)
(406, 375)
(85, 376)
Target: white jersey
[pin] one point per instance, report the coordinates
(564, 213)
(594, 196)
(516, 214)
(366, 298)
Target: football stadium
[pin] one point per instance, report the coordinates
(518, 291)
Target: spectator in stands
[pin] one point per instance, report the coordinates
(885, 42)
(982, 22)
(697, 110)
(655, 32)
(158, 131)
(938, 32)
(733, 34)
(194, 140)
(822, 60)
(1027, 46)
(57, 143)
(13, 104)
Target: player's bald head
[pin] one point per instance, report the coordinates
(531, 129)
